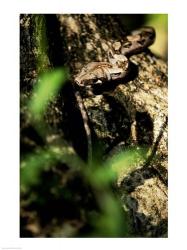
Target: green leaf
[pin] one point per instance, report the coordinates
(45, 89)
(41, 160)
(128, 160)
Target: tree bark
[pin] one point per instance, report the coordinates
(136, 106)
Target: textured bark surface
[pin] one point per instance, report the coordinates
(133, 109)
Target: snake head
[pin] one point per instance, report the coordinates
(120, 65)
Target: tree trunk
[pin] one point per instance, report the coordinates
(134, 107)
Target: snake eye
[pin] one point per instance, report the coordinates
(115, 75)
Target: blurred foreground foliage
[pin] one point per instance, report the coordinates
(46, 88)
(54, 175)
